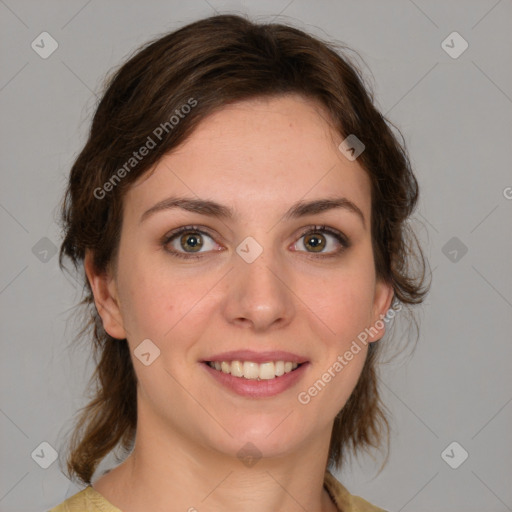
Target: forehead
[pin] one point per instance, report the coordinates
(258, 155)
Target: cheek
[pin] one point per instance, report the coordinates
(331, 385)
(158, 303)
(147, 302)
(342, 302)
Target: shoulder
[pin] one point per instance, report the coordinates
(345, 501)
(87, 500)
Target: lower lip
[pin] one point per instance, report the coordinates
(257, 388)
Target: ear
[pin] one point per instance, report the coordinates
(382, 302)
(105, 298)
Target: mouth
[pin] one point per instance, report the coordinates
(251, 370)
(267, 377)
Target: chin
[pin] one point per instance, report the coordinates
(266, 437)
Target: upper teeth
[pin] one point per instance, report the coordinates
(253, 371)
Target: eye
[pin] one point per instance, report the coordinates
(187, 242)
(317, 239)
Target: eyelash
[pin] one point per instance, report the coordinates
(340, 237)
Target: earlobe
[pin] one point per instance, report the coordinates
(382, 302)
(105, 298)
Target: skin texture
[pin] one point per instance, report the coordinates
(257, 157)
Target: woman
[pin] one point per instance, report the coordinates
(240, 212)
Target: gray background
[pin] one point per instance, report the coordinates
(456, 115)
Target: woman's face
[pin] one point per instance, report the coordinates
(255, 285)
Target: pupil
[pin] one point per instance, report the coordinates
(192, 241)
(318, 245)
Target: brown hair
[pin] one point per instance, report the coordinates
(208, 64)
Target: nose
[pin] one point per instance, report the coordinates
(259, 294)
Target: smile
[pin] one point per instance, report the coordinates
(254, 371)
(256, 380)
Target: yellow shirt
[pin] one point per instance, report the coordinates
(90, 500)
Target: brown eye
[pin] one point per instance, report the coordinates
(191, 239)
(323, 241)
(315, 241)
(189, 242)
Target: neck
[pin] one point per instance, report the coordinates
(169, 468)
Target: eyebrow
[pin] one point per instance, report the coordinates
(213, 209)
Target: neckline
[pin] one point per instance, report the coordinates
(336, 491)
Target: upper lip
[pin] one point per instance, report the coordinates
(257, 357)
